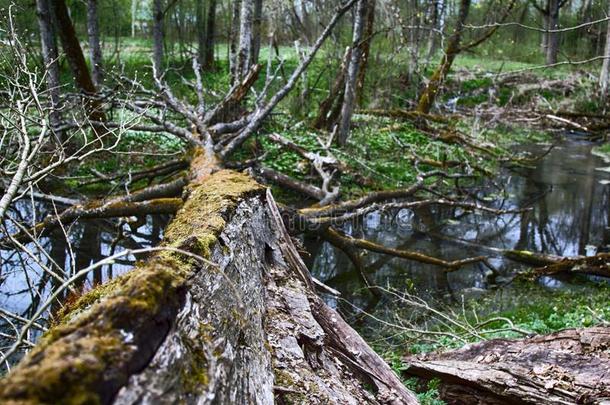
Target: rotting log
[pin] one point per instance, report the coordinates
(243, 326)
(565, 367)
(598, 265)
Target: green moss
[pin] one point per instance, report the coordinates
(195, 375)
(91, 342)
(85, 301)
(284, 379)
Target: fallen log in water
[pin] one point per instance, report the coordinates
(239, 325)
(598, 265)
(565, 367)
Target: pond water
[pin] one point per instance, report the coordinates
(568, 194)
(24, 285)
(570, 200)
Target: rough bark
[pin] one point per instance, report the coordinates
(95, 48)
(566, 367)
(351, 78)
(428, 96)
(243, 326)
(50, 58)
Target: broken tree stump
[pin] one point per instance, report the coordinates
(227, 317)
(566, 367)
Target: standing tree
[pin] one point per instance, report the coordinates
(76, 59)
(603, 78)
(550, 38)
(158, 35)
(352, 73)
(453, 49)
(50, 59)
(95, 49)
(426, 100)
(244, 57)
(208, 54)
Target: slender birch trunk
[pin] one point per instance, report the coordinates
(352, 74)
(95, 49)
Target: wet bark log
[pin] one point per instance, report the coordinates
(565, 367)
(594, 265)
(233, 320)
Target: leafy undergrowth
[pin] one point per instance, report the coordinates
(135, 150)
(531, 308)
(380, 154)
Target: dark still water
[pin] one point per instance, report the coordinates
(24, 283)
(569, 195)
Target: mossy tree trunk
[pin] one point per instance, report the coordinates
(228, 316)
(428, 96)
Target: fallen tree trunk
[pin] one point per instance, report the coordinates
(565, 367)
(230, 317)
(598, 265)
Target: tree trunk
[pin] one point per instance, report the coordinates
(565, 367)
(76, 59)
(201, 31)
(208, 62)
(134, 11)
(256, 31)
(95, 49)
(367, 38)
(50, 58)
(435, 20)
(233, 40)
(426, 100)
(603, 78)
(544, 41)
(244, 53)
(352, 73)
(552, 49)
(158, 35)
(233, 320)
(71, 46)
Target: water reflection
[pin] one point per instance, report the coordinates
(24, 283)
(570, 216)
